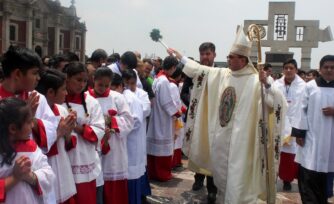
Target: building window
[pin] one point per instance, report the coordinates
(281, 27)
(299, 33)
(78, 53)
(13, 32)
(39, 50)
(265, 27)
(61, 41)
(77, 42)
(38, 23)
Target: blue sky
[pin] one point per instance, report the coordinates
(122, 25)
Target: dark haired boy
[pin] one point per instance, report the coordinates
(128, 61)
(292, 87)
(58, 62)
(21, 68)
(97, 59)
(160, 137)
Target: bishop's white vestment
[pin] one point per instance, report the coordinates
(223, 133)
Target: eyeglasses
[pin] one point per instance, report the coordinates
(231, 57)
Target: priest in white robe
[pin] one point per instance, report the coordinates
(223, 131)
(314, 132)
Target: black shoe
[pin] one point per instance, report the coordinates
(211, 198)
(178, 168)
(197, 186)
(287, 186)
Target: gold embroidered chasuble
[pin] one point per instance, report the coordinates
(223, 133)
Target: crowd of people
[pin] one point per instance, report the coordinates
(98, 132)
(85, 133)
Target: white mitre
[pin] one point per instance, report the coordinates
(242, 45)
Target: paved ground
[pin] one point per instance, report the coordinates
(178, 191)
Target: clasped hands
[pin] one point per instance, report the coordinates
(22, 170)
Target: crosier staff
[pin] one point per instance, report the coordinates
(256, 33)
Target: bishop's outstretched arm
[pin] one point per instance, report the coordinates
(191, 67)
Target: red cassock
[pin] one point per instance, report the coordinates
(115, 192)
(177, 158)
(288, 168)
(86, 192)
(159, 167)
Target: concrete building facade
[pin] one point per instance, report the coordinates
(283, 31)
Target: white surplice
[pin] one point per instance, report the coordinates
(64, 185)
(136, 163)
(50, 122)
(138, 82)
(85, 161)
(317, 154)
(146, 103)
(293, 94)
(116, 68)
(22, 192)
(115, 162)
(160, 140)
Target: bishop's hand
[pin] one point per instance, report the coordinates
(175, 53)
(263, 77)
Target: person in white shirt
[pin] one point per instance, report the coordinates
(292, 87)
(128, 61)
(130, 82)
(314, 132)
(53, 86)
(160, 139)
(25, 175)
(90, 128)
(119, 123)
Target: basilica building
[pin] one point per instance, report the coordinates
(42, 25)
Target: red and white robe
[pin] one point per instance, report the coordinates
(46, 134)
(293, 93)
(178, 130)
(85, 161)
(160, 140)
(114, 153)
(64, 185)
(22, 192)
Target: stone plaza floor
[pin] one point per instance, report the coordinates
(178, 190)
